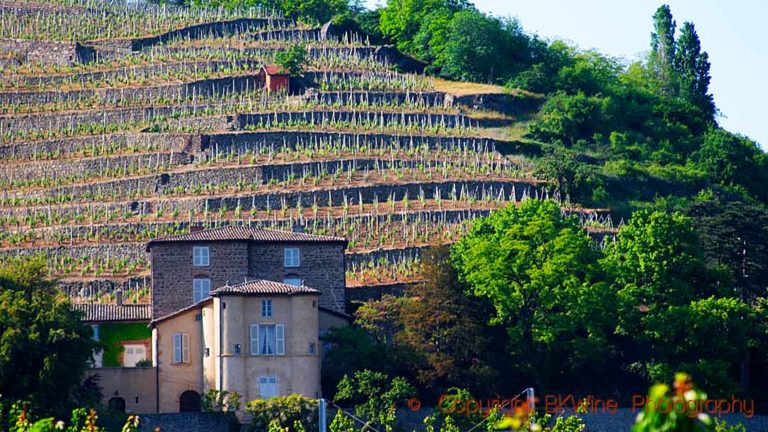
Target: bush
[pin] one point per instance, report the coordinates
(292, 412)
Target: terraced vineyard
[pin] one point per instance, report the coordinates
(156, 120)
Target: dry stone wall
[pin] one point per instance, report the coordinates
(113, 96)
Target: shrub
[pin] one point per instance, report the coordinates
(289, 412)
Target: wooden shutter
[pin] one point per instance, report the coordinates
(254, 339)
(185, 348)
(280, 338)
(177, 352)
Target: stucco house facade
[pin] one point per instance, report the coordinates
(238, 309)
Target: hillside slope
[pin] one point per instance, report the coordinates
(120, 126)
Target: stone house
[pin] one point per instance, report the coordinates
(237, 309)
(275, 79)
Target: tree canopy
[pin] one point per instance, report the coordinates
(45, 348)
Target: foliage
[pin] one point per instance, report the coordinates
(724, 157)
(45, 347)
(112, 335)
(293, 59)
(374, 396)
(542, 274)
(574, 180)
(664, 290)
(310, 11)
(290, 413)
(672, 409)
(447, 330)
(20, 417)
(342, 423)
(352, 349)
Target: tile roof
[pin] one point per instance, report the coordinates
(114, 313)
(246, 234)
(180, 311)
(260, 286)
(275, 70)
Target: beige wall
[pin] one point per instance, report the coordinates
(329, 320)
(131, 384)
(175, 379)
(298, 371)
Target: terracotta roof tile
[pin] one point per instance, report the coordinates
(260, 286)
(275, 70)
(180, 311)
(114, 313)
(238, 233)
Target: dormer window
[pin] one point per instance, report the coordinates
(292, 257)
(201, 256)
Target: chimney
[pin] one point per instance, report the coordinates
(119, 297)
(196, 228)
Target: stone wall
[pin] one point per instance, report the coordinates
(47, 53)
(337, 195)
(89, 168)
(373, 118)
(70, 147)
(112, 96)
(321, 267)
(148, 71)
(186, 422)
(240, 142)
(378, 98)
(135, 385)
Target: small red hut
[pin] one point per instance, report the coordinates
(275, 78)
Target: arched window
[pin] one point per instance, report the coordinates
(116, 404)
(189, 401)
(201, 288)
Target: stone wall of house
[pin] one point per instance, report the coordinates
(173, 272)
(135, 385)
(321, 267)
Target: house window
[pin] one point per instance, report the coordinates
(133, 353)
(267, 339)
(200, 256)
(292, 280)
(201, 289)
(180, 348)
(268, 386)
(292, 257)
(266, 308)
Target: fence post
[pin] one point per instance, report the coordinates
(322, 418)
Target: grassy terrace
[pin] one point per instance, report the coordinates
(96, 158)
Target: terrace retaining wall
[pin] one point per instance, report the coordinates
(46, 53)
(184, 91)
(67, 147)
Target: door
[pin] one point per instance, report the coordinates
(268, 386)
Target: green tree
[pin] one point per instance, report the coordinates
(734, 237)
(692, 67)
(662, 56)
(375, 395)
(481, 48)
(352, 349)
(44, 346)
(446, 329)
(292, 59)
(656, 262)
(727, 158)
(541, 272)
